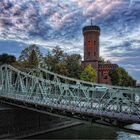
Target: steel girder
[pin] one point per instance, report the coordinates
(50, 89)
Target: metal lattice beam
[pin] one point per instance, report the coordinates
(46, 88)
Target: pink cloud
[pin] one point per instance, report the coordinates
(100, 7)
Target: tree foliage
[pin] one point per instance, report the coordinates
(33, 61)
(31, 57)
(55, 61)
(58, 53)
(7, 59)
(120, 77)
(89, 74)
(62, 63)
(74, 66)
(65, 64)
(103, 61)
(25, 54)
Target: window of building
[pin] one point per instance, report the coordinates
(89, 44)
(88, 53)
(105, 77)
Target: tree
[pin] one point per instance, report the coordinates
(65, 64)
(33, 61)
(61, 68)
(115, 77)
(31, 57)
(7, 59)
(58, 53)
(120, 77)
(74, 66)
(25, 54)
(49, 61)
(55, 61)
(103, 61)
(89, 74)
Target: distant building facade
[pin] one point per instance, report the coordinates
(92, 52)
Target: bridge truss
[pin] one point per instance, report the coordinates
(50, 92)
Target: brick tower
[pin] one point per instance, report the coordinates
(91, 46)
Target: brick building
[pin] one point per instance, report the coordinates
(91, 54)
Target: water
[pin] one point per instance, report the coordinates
(89, 132)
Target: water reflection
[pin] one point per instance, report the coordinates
(127, 136)
(89, 132)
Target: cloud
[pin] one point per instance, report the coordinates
(51, 19)
(60, 22)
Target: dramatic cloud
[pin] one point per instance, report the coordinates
(59, 22)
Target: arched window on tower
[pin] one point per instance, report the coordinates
(89, 44)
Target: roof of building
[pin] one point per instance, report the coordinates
(91, 27)
(108, 66)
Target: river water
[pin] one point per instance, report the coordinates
(85, 131)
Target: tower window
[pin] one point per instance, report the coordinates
(94, 53)
(94, 42)
(88, 53)
(89, 44)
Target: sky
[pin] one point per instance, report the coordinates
(50, 23)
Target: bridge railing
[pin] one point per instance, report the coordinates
(45, 74)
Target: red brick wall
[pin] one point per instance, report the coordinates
(91, 49)
(104, 73)
(91, 55)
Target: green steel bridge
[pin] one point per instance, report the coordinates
(44, 91)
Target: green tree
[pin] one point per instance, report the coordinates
(74, 66)
(49, 61)
(31, 57)
(103, 61)
(58, 53)
(55, 61)
(7, 59)
(62, 63)
(25, 54)
(120, 77)
(115, 77)
(61, 68)
(89, 74)
(33, 61)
